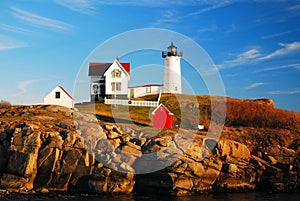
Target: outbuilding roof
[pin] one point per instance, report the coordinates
(65, 92)
(162, 105)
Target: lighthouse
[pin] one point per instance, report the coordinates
(172, 70)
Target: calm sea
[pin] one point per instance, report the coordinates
(136, 197)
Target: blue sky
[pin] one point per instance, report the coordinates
(254, 44)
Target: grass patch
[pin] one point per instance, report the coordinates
(138, 115)
(191, 110)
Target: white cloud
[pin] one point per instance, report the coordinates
(212, 5)
(164, 3)
(23, 86)
(295, 7)
(9, 47)
(295, 65)
(232, 28)
(7, 43)
(241, 59)
(286, 49)
(250, 54)
(39, 21)
(254, 85)
(81, 6)
(295, 91)
(167, 19)
(15, 29)
(254, 55)
(277, 34)
(209, 28)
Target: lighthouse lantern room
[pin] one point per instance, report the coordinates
(172, 70)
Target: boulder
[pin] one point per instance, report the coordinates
(233, 149)
(91, 133)
(281, 154)
(231, 184)
(48, 158)
(23, 156)
(70, 139)
(80, 179)
(208, 171)
(15, 183)
(131, 150)
(183, 182)
(22, 164)
(63, 170)
(104, 180)
(59, 109)
(55, 140)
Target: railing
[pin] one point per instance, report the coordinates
(131, 102)
(165, 54)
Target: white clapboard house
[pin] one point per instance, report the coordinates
(109, 80)
(59, 96)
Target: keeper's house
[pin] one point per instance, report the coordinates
(109, 80)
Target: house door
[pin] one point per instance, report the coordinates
(102, 90)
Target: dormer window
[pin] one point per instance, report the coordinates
(116, 73)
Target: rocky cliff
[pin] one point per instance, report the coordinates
(43, 149)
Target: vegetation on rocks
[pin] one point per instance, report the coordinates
(4, 104)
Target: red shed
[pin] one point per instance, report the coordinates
(162, 117)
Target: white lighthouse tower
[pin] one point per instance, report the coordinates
(172, 70)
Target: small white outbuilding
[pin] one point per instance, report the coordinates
(59, 96)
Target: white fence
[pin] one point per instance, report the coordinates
(131, 102)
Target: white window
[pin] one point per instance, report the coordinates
(95, 89)
(113, 85)
(116, 73)
(116, 86)
(148, 90)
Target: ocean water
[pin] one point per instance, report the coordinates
(137, 197)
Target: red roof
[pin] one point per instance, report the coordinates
(126, 66)
(65, 91)
(164, 107)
